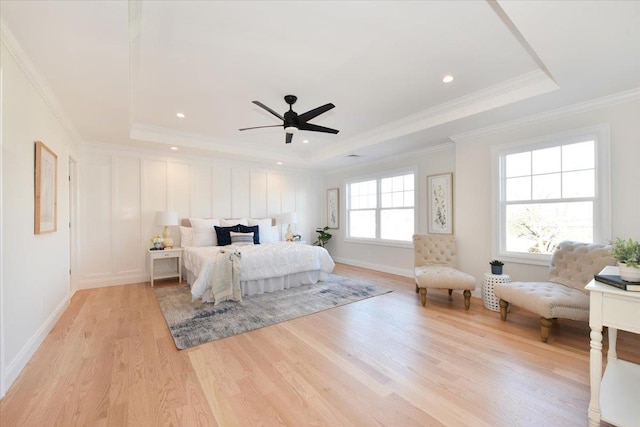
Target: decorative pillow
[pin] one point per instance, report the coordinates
(186, 237)
(231, 222)
(241, 239)
(274, 232)
(255, 230)
(222, 233)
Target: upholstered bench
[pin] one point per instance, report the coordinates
(435, 261)
(563, 296)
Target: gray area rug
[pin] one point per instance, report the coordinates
(195, 323)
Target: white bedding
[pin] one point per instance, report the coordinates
(280, 265)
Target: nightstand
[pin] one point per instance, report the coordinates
(166, 254)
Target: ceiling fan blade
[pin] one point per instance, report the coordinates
(305, 117)
(259, 127)
(261, 105)
(316, 128)
(288, 138)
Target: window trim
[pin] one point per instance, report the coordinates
(378, 177)
(602, 200)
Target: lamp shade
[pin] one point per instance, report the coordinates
(166, 218)
(290, 218)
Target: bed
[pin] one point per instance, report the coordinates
(266, 267)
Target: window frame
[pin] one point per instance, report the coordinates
(378, 177)
(602, 195)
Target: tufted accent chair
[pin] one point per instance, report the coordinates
(436, 262)
(573, 265)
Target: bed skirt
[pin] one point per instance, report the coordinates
(272, 284)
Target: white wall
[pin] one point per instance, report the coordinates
(473, 186)
(120, 191)
(34, 281)
(390, 259)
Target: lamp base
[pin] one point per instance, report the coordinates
(289, 235)
(166, 238)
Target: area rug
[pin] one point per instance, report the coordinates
(195, 323)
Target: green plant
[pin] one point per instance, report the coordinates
(496, 262)
(323, 236)
(626, 251)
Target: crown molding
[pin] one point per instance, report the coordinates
(558, 113)
(517, 89)
(37, 80)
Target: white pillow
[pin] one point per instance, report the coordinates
(264, 228)
(205, 237)
(270, 234)
(232, 221)
(203, 232)
(186, 236)
(241, 239)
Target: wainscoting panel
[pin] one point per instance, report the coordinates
(240, 193)
(201, 193)
(179, 198)
(258, 195)
(95, 216)
(126, 216)
(274, 195)
(221, 191)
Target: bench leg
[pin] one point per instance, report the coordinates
(450, 292)
(545, 327)
(423, 296)
(503, 309)
(467, 298)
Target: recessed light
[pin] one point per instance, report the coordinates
(305, 141)
(174, 148)
(181, 115)
(279, 163)
(447, 79)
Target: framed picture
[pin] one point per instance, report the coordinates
(440, 203)
(333, 211)
(46, 186)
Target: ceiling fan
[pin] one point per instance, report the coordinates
(292, 122)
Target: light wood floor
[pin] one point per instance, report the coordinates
(387, 360)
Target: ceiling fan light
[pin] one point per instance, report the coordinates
(291, 129)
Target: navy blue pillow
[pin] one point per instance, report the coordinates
(255, 229)
(223, 233)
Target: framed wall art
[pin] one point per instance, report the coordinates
(440, 203)
(46, 185)
(333, 208)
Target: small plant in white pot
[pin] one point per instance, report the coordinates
(627, 252)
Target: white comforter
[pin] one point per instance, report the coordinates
(262, 261)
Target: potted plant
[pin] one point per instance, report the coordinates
(323, 236)
(496, 266)
(158, 242)
(627, 252)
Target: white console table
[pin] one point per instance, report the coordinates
(615, 397)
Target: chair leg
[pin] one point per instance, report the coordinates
(467, 298)
(545, 327)
(450, 292)
(503, 309)
(417, 288)
(423, 296)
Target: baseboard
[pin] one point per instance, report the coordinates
(376, 267)
(103, 282)
(22, 358)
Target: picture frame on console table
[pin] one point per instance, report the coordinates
(333, 208)
(46, 190)
(440, 203)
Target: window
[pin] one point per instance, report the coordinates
(382, 208)
(553, 190)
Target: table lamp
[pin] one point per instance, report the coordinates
(289, 218)
(167, 218)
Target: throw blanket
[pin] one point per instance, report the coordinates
(225, 283)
